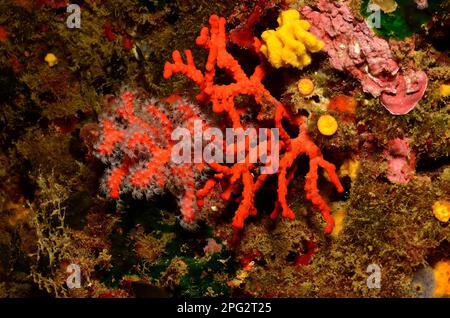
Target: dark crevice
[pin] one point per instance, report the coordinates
(427, 164)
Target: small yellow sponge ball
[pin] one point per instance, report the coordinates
(327, 125)
(441, 210)
(51, 59)
(305, 86)
(444, 90)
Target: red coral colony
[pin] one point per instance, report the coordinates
(136, 141)
(148, 130)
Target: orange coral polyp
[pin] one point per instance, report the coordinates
(115, 179)
(114, 137)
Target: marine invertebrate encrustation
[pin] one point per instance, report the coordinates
(401, 161)
(343, 103)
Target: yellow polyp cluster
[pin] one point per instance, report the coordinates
(327, 125)
(442, 279)
(291, 43)
(305, 86)
(441, 210)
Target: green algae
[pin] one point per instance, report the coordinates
(405, 21)
(182, 266)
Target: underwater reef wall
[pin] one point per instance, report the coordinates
(87, 178)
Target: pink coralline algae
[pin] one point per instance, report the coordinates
(353, 47)
(212, 247)
(401, 161)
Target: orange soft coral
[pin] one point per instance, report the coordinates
(136, 142)
(221, 97)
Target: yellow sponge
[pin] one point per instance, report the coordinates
(441, 210)
(291, 43)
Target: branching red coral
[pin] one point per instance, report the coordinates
(222, 99)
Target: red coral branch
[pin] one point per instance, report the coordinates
(222, 97)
